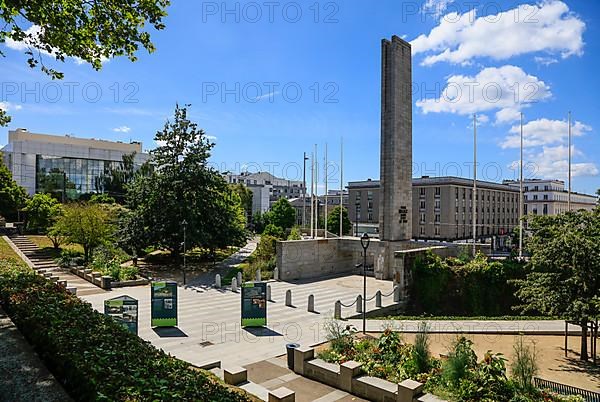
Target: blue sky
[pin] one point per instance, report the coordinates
(241, 73)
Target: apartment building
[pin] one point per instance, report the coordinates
(549, 197)
(442, 208)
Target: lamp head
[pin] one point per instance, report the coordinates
(365, 240)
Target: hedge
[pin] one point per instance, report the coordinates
(459, 287)
(94, 357)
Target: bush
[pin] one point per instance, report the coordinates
(295, 234)
(420, 354)
(93, 357)
(69, 258)
(274, 231)
(108, 262)
(524, 365)
(460, 359)
(464, 286)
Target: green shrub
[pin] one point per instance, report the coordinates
(274, 231)
(420, 353)
(295, 234)
(69, 258)
(460, 359)
(93, 357)
(524, 365)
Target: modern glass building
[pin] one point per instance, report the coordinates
(64, 164)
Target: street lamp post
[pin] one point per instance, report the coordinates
(184, 224)
(356, 206)
(364, 242)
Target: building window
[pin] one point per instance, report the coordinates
(422, 204)
(437, 218)
(422, 192)
(422, 217)
(545, 210)
(438, 204)
(422, 230)
(438, 191)
(437, 230)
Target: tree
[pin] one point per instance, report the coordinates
(273, 231)
(259, 221)
(333, 221)
(42, 212)
(89, 31)
(114, 182)
(564, 261)
(12, 196)
(85, 224)
(183, 187)
(245, 195)
(282, 214)
(295, 234)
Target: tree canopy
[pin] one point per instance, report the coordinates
(333, 221)
(91, 31)
(42, 212)
(86, 224)
(282, 214)
(565, 264)
(12, 196)
(182, 187)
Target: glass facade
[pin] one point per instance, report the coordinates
(75, 176)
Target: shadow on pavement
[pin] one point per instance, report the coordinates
(169, 332)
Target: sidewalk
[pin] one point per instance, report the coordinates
(24, 377)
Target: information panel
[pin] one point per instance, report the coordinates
(164, 304)
(254, 304)
(124, 310)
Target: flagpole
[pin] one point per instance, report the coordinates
(312, 194)
(569, 196)
(474, 200)
(521, 196)
(341, 184)
(316, 192)
(326, 196)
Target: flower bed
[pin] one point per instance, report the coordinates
(457, 377)
(94, 357)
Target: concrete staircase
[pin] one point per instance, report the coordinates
(43, 263)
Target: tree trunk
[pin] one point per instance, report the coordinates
(584, 352)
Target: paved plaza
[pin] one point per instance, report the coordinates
(209, 327)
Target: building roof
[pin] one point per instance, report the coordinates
(23, 135)
(443, 180)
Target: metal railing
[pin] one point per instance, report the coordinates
(563, 389)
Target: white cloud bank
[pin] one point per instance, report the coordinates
(9, 106)
(547, 27)
(543, 132)
(505, 90)
(553, 162)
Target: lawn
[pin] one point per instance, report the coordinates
(44, 242)
(7, 255)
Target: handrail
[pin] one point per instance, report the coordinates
(563, 389)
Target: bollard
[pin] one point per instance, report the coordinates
(258, 277)
(234, 287)
(269, 293)
(240, 279)
(378, 299)
(311, 303)
(288, 298)
(276, 274)
(337, 310)
(359, 304)
(218, 281)
(397, 294)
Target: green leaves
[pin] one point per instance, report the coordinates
(12, 196)
(93, 356)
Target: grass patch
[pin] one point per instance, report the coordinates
(9, 259)
(45, 244)
(232, 273)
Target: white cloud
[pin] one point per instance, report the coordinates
(552, 162)
(506, 90)
(545, 61)
(543, 132)
(436, 7)
(32, 41)
(122, 129)
(211, 137)
(547, 27)
(9, 106)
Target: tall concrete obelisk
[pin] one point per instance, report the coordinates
(395, 209)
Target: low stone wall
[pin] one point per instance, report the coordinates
(348, 378)
(103, 281)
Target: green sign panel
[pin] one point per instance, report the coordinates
(254, 304)
(124, 310)
(164, 304)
